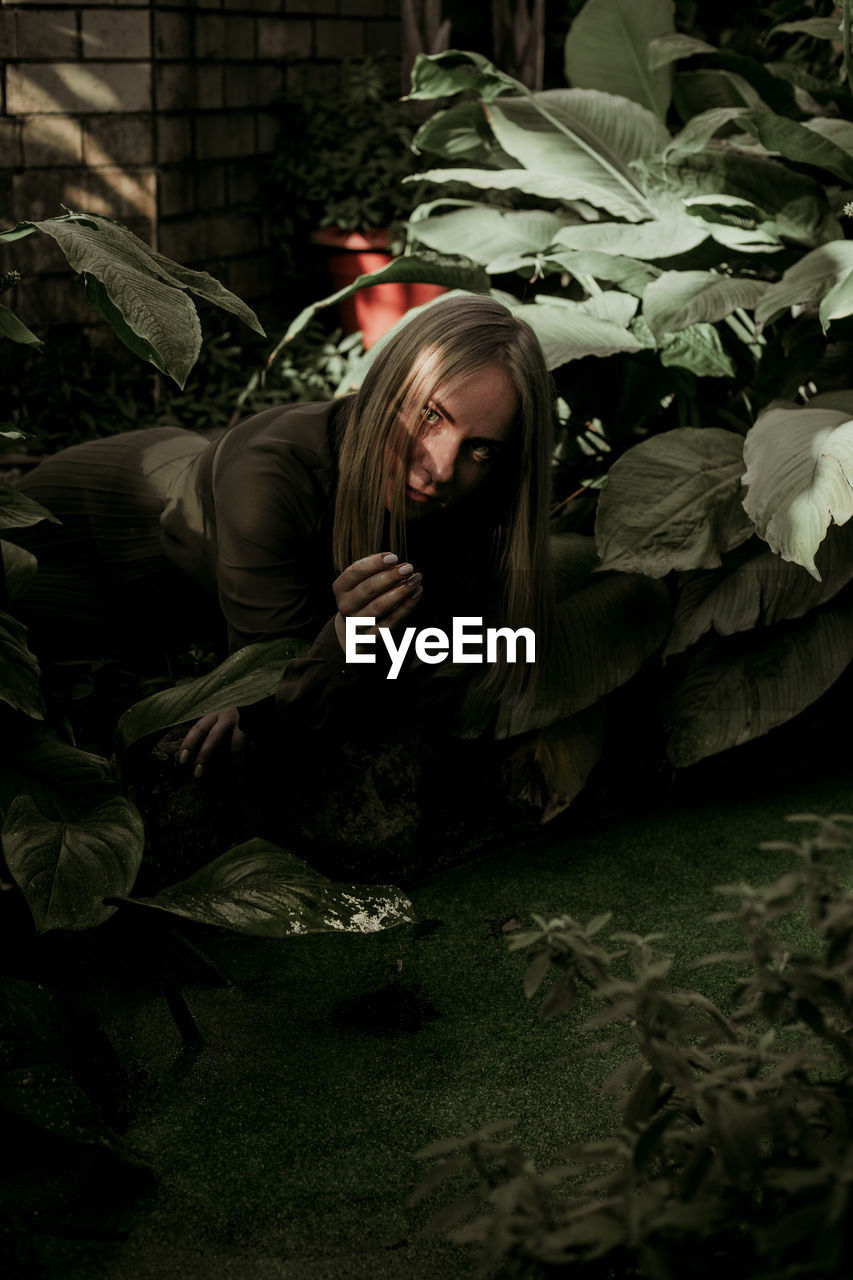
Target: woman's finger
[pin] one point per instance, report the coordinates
(362, 569)
(195, 737)
(369, 597)
(402, 609)
(218, 736)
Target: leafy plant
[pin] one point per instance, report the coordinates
(733, 1156)
(678, 214)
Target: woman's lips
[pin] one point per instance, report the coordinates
(415, 495)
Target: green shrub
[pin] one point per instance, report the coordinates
(733, 1157)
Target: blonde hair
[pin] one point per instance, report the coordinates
(454, 337)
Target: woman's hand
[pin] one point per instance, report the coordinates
(376, 587)
(210, 735)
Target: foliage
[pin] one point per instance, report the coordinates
(734, 1152)
(143, 295)
(672, 226)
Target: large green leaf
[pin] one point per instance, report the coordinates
(63, 780)
(759, 590)
(809, 280)
(583, 139)
(18, 511)
(19, 568)
(607, 48)
(795, 142)
(699, 349)
(452, 274)
(818, 28)
(674, 47)
(681, 298)
(742, 687)
(484, 234)
(259, 888)
(15, 329)
(569, 331)
(441, 75)
(799, 477)
(20, 677)
(630, 274)
(795, 205)
(657, 238)
(602, 636)
(245, 677)
(460, 132)
(673, 502)
(566, 753)
(65, 869)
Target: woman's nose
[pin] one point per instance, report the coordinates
(439, 458)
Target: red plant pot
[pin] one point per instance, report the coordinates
(374, 310)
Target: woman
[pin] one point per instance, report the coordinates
(424, 496)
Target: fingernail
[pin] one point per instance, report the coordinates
(183, 757)
(405, 568)
(198, 770)
(418, 591)
(414, 580)
(390, 558)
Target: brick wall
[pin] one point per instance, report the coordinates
(160, 115)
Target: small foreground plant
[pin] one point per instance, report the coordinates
(734, 1154)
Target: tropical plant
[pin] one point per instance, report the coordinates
(674, 221)
(733, 1154)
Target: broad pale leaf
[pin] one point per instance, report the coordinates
(65, 869)
(583, 139)
(243, 678)
(603, 635)
(681, 298)
(484, 234)
(838, 131)
(62, 780)
(18, 511)
(808, 280)
(838, 303)
(566, 753)
(613, 305)
(799, 477)
(20, 677)
(673, 47)
(759, 590)
(795, 142)
(460, 132)
(699, 349)
(19, 567)
(700, 129)
(567, 331)
(745, 686)
(407, 270)
(163, 317)
(630, 274)
(441, 75)
(15, 329)
(673, 502)
(607, 48)
(259, 888)
(657, 238)
(819, 28)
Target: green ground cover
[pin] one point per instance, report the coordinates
(283, 1147)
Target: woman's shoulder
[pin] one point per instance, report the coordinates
(287, 435)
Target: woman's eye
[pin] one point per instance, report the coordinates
(483, 452)
(431, 416)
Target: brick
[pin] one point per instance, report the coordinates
(47, 34)
(267, 129)
(8, 34)
(178, 239)
(10, 144)
(175, 86)
(252, 276)
(310, 7)
(224, 36)
(238, 90)
(267, 85)
(362, 8)
(210, 82)
(311, 78)
(176, 193)
(219, 136)
(281, 37)
(51, 140)
(174, 139)
(383, 38)
(40, 193)
(172, 34)
(53, 300)
(122, 139)
(115, 192)
(210, 186)
(69, 86)
(116, 33)
(341, 39)
(244, 184)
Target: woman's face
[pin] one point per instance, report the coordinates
(465, 429)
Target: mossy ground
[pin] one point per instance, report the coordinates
(283, 1147)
